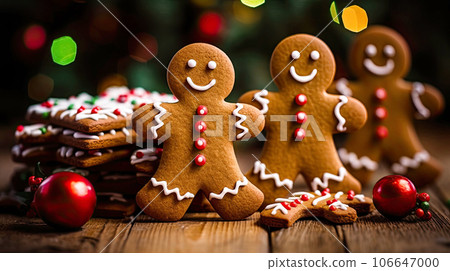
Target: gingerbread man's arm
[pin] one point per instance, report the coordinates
(249, 121)
(148, 119)
(342, 87)
(427, 100)
(259, 99)
(349, 113)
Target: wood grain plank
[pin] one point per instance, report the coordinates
(197, 232)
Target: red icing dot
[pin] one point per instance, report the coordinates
(122, 98)
(47, 104)
(324, 193)
(297, 201)
(419, 212)
(381, 113)
(202, 110)
(423, 197)
(200, 126)
(142, 104)
(333, 208)
(95, 109)
(331, 201)
(299, 134)
(293, 204)
(117, 112)
(351, 192)
(200, 160)
(139, 154)
(200, 143)
(286, 205)
(382, 132)
(380, 94)
(103, 94)
(81, 109)
(132, 91)
(20, 128)
(301, 99)
(326, 190)
(301, 117)
(350, 197)
(304, 197)
(159, 151)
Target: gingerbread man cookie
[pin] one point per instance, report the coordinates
(301, 119)
(339, 208)
(198, 155)
(380, 58)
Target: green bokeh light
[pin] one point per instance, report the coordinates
(253, 3)
(64, 50)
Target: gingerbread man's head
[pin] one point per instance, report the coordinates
(379, 52)
(203, 70)
(302, 61)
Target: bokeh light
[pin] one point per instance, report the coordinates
(34, 37)
(139, 52)
(244, 14)
(211, 23)
(111, 80)
(355, 18)
(333, 12)
(253, 3)
(204, 3)
(40, 87)
(64, 50)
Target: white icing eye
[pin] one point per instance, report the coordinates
(212, 65)
(389, 50)
(314, 55)
(295, 55)
(371, 50)
(192, 63)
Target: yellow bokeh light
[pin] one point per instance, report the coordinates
(355, 18)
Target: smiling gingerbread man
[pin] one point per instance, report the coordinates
(198, 155)
(303, 67)
(380, 58)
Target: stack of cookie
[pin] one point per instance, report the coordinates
(89, 135)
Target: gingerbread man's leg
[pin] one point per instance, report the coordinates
(361, 155)
(274, 177)
(408, 157)
(166, 199)
(238, 199)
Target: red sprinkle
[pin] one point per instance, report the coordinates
(326, 190)
(297, 201)
(351, 192)
(329, 202)
(350, 197)
(423, 197)
(333, 208)
(139, 154)
(293, 204)
(117, 112)
(81, 109)
(95, 109)
(142, 104)
(47, 104)
(286, 205)
(103, 94)
(304, 197)
(122, 98)
(20, 128)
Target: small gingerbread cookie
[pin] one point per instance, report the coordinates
(301, 119)
(89, 158)
(380, 58)
(31, 154)
(37, 134)
(107, 139)
(196, 157)
(146, 160)
(337, 207)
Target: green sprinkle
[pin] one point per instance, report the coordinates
(112, 99)
(43, 130)
(70, 107)
(133, 102)
(55, 102)
(45, 115)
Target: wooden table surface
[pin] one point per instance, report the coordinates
(206, 232)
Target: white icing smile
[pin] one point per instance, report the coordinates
(200, 88)
(303, 78)
(379, 70)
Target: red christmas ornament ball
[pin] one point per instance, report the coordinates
(65, 200)
(394, 196)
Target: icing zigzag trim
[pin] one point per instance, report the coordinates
(238, 123)
(417, 90)
(158, 120)
(260, 168)
(357, 163)
(263, 101)
(328, 176)
(228, 190)
(340, 127)
(405, 162)
(342, 87)
(167, 191)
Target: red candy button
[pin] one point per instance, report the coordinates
(304, 197)
(20, 128)
(299, 134)
(202, 110)
(95, 109)
(301, 117)
(117, 112)
(350, 197)
(200, 126)
(200, 160)
(81, 109)
(380, 113)
(380, 94)
(200, 143)
(301, 99)
(333, 208)
(286, 205)
(139, 154)
(382, 132)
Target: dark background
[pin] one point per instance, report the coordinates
(247, 35)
